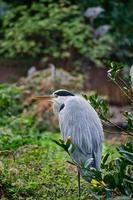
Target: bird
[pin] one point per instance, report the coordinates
(79, 121)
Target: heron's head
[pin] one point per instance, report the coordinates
(58, 99)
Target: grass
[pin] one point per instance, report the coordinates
(38, 171)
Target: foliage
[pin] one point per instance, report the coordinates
(115, 178)
(100, 105)
(9, 102)
(129, 119)
(52, 30)
(58, 29)
(36, 172)
(119, 15)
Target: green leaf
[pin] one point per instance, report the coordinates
(61, 144)
(127, 155)
(71, 148)
(94, 194)
(115, 68)
(88, 163)
(104, 160)
(109, 180)
(108, 193)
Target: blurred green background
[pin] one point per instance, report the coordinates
(47, 45)
(61, 30)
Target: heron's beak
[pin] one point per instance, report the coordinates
(45, 98)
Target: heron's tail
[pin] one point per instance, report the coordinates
(85, 170)
(85, 162)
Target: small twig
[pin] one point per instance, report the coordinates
(123, 91)
(115, 132)
(123, 82)
(119, 127)
(111, 131)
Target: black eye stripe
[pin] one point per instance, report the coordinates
(63, 93)
(62, 106)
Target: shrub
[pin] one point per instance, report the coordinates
(52, 31)
(9, 102)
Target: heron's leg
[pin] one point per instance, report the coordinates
(78, 182)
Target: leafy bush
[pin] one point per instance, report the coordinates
(30, 171)
(52, 30)
(118, 14)
(9, 102)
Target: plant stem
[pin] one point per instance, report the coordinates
(123, 82)
(123, 91)
(119, 127)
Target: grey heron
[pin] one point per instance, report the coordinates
(79, 121)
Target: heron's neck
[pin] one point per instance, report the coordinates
(58, 104)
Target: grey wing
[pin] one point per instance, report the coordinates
(80, 121)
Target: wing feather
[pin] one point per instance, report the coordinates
(80, 121)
